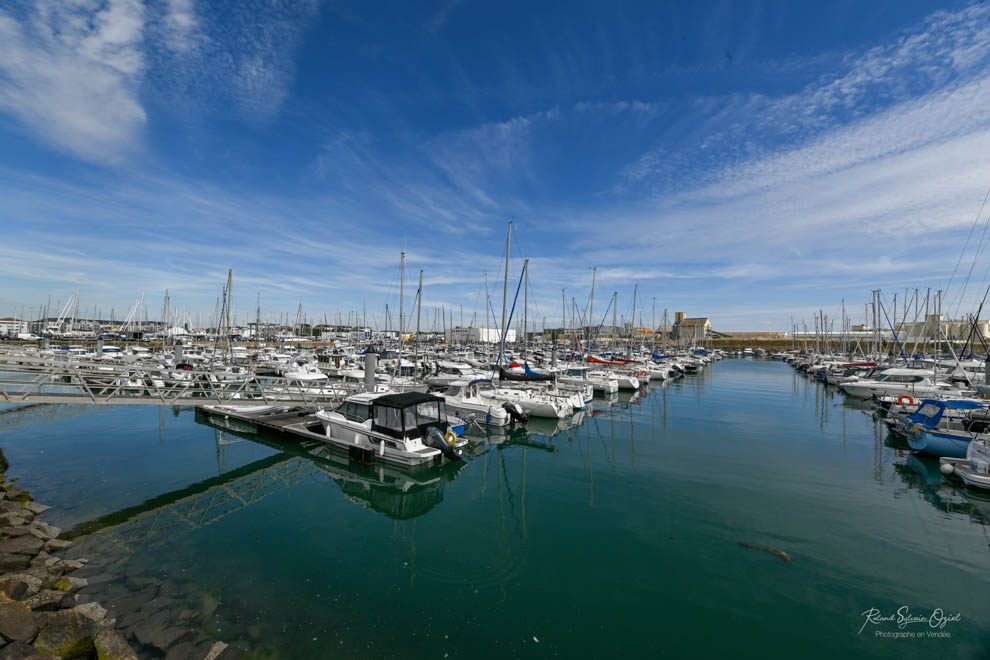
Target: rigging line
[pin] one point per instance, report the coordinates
(976, 221)
(979, 249)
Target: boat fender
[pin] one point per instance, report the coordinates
(381, 448)
(905, 399)
(450, 437)
(947, 468)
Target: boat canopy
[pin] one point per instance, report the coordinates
(930, 411)
(408, 414)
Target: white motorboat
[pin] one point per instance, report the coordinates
(409, 428)
(917, 383)
(464, 400)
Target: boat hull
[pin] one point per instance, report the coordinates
(939, 444)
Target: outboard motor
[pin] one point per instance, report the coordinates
(434, 438)
(516, 413)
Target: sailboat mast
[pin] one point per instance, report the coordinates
(591, 311)
(402, 283)
(632, 326)
(505, 290)
(419, 308)
(526, 312)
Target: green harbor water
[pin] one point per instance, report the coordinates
(615, 535)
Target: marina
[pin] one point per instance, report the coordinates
(488, 330)
(204, 496)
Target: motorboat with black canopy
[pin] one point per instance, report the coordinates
(409, 428)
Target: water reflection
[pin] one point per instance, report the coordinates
(396, 493)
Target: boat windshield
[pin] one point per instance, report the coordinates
(422, 414)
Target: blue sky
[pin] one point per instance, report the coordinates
(750, 161)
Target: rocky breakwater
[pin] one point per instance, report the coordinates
(41, 613)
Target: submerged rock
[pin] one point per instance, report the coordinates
(55, 545)
(183, 651)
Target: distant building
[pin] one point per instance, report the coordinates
(11, 327)
(757, 334)
(690, 330)
(934, 326)
(459, 335)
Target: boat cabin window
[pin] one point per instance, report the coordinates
(388, 419)
(978, 426)
(356, 412)
(895, 378)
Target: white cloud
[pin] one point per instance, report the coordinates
(181, 26)
(71, 72)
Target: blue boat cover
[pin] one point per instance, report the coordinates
(930, 411)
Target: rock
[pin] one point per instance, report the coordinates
(13, 588)
(49, 600)
(14, 562)
(67, 634)
(35, 508)
(209, 606)
(17, 651)
(151, 628)
(111, 646)
(71, 584)
(131, 619)
(11, 531)
(17, 622)
(55, 545)
(185, 616)
(140, 582)
(42, 573)
(231, 653)
(18, 493)
(36, 533)
(215, 651)
(131, 601)
(71, 565)
(12, 519)
(183, 651)
(34, 584)
(9, 506)
(27, 545)
(92, 611)
(168, 637)
(51, 531)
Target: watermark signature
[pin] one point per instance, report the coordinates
(909, 625)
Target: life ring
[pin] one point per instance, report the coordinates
(450, 437)
(905, 399)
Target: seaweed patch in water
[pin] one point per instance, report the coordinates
(780, 554)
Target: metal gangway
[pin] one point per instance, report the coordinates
(26, 378)
(133, 530)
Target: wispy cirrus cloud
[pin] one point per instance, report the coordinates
(79, 74)
(71, 73)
